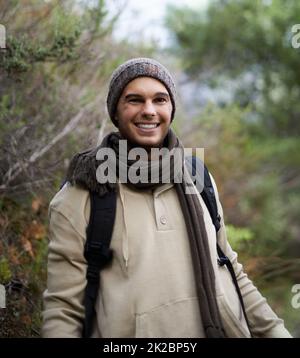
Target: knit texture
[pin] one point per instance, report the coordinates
(132, 69)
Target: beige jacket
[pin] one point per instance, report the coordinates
(149, 289)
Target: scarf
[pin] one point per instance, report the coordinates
(82, 171)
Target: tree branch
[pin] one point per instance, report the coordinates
(18, 168)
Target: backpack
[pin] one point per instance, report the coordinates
(97, 250)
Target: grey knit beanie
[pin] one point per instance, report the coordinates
(131, 69)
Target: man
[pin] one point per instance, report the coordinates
(164, 279)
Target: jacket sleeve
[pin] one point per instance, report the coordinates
(263, 321)
(63, 312)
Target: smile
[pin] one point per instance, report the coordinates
(147, 126)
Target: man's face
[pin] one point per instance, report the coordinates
(144, 112)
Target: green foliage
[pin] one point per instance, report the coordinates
(238, 237)
(265, 205)
(235, 39)
(22, 52)
(23, 248)
(5, 272)
(250, 174)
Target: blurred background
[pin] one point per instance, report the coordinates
(236, 64)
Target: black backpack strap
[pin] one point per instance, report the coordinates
(224, 260)
(97, 250)
(209, 198)
(63, 182)
(195, 167)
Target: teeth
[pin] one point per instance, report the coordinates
(147, 126)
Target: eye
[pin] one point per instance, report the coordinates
(134, 100)
(161, 100)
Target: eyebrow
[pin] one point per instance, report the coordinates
(130, 95)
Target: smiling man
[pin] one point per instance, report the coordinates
(144, 112)
(164, 277)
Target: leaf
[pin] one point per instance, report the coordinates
(5, 272)
(13, 255)
(26, 319)
(35, 231)
(27, 246)
(36, 204)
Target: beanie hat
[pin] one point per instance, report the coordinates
(131, 69)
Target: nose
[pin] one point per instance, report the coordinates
(148, 109)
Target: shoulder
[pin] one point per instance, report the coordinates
(73, 203)
(214, 185)
(219, 205)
